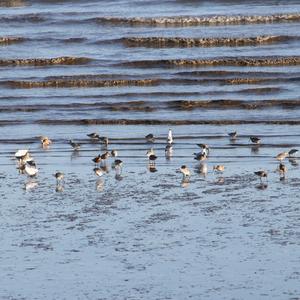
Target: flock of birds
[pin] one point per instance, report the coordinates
(27, 165)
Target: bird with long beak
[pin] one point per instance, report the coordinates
(261, 174)
(200, 156)
(151, 156)
(150, 138)
(232, 135)
(105, 156)
(104, 140)
(117, 164)
(114, 153)
(219, 168)
(185, 171)
(282, 169)
(97, 160)
(204, 149)
(255, 140)
(281, 156)
(45, 141)
(74, 145)
(94, 136)
(59, 177)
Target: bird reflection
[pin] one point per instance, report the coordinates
(293, 161)
(255, 149)
(59, 188)
(202, 169)
(118, 177)
(105, 168)
(75, 154)
(31, 184)
(220, 180)
(185, 182)
(99, 185)
(152, 168)
(262, 186)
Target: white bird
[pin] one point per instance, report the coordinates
(185, 171)
(31, 170)
(21, 153)
(170, 137)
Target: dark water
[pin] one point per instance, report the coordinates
(125, 69)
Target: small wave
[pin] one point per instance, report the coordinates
(150, 106)
(10, 40)
(81, 83)
(261, 91)
(242, 74)
(65, 60)
(200, 20)
(159, 42)
(159, 122)
(224, 61)
(167, 122)
(85, 83)
(29, 18)
(233, 104)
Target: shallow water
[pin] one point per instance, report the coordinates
(133, 68)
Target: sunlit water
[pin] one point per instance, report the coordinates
(149, 235)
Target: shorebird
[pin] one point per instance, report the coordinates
(98, 172)
(150, 138)
(104, 140)
(104, 157)
(46, 142)
(281, 156)
(151, 156)
(292, 152)
(59, 176)
(74, 145)
(117, 164)
(200, 156)
(204, 148)
(23, 156)
(97, 159)
(232, 135)
(168, 151)
(114, 153)
(150, 152)
(261, 174)
(94, 136)
(255, 140)
(282, 170)
(20, 154)
(170, 137)
(219, 168)
(185, 171)
(30, 170)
